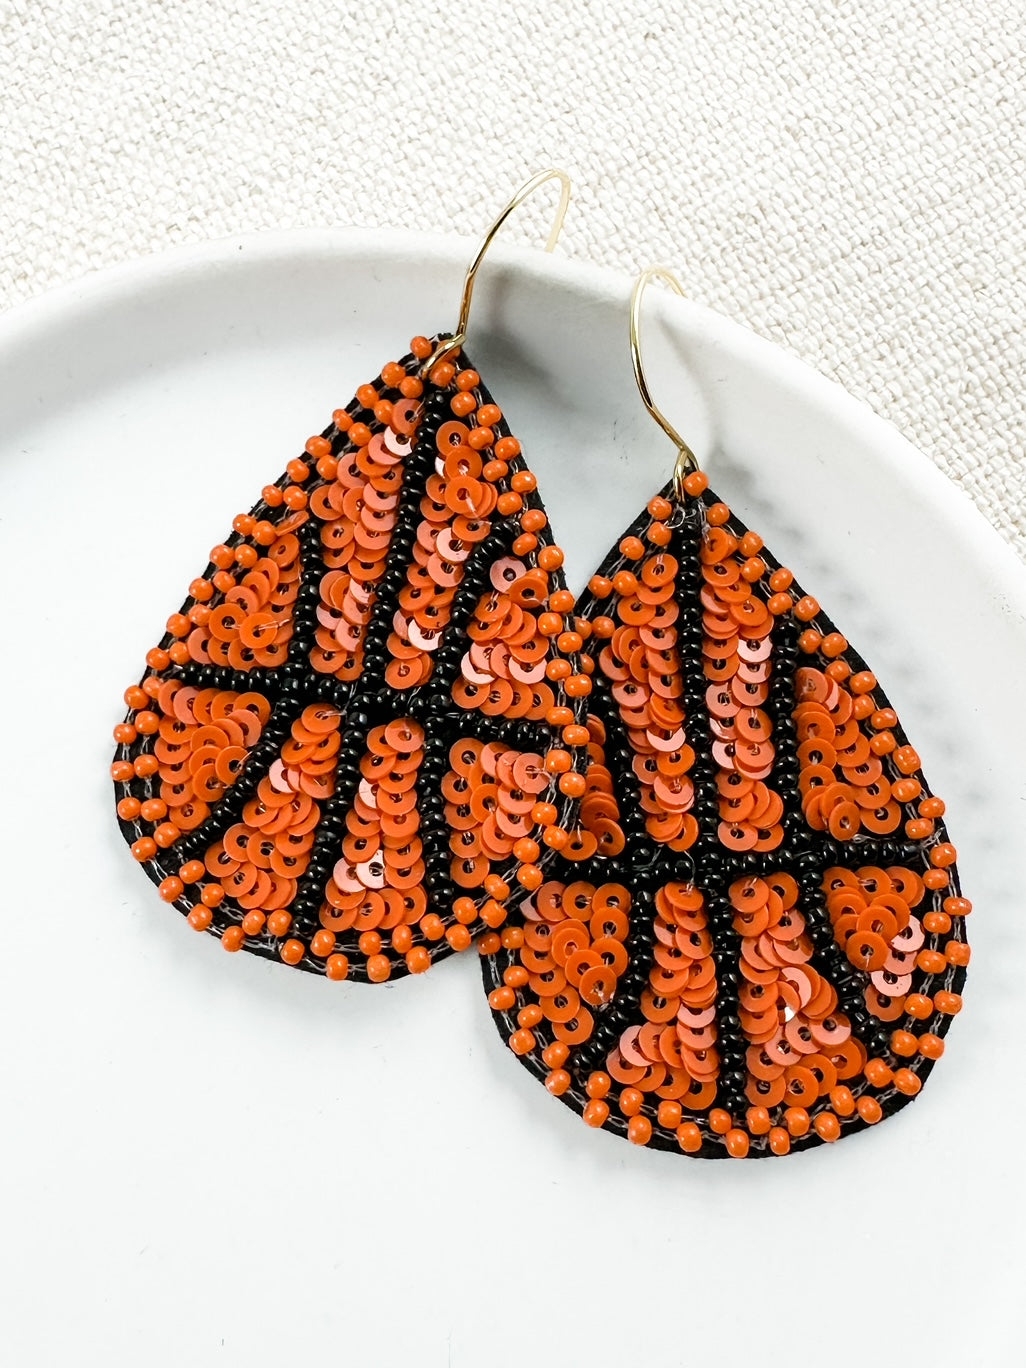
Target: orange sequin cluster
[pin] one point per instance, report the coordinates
(600, 832)
(259, 861)
(673, 1052)
(504, 669)
(843, 784)
(642, 665)
(357, 509)
(377, 884)
(738, 662)
(243, 620)
(201, 738)
(872, 912)
(800, 1044)
(571, 957)
(455, 515)
(490, 795)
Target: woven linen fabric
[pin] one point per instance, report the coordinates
(846, 177)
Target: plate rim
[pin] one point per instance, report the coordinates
(23, 323)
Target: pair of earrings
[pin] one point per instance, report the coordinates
(714, 899)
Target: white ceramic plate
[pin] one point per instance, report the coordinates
(216, 1160)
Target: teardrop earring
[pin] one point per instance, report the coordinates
(774, 959)
(337, 754)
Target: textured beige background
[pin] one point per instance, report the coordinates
(845, 176)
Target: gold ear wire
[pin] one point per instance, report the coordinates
(687, 461)
(451, 344)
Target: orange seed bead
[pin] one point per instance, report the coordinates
(554, 1056)
(292, 951)
(869, 1109)
(907, 1082)
(757, 1120)
(631, 1101)
(596, 1113)
(806, 608)
(521, 1042)
(878, 1073)
(689, 1137)
(669, 1112)
(797, 1121)
(337, 967)
(931, 1046)
(919, 1006)
(639, 1130)
(379, 968)
(827, 1126)
(779, 1140)
(322, 944)
(737, 1143)
(557, 1082)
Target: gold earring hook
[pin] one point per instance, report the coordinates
(687, 461)
(460, 335)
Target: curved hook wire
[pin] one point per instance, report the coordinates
(687, 461)
(460, 335)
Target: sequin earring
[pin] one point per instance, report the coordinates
(356, 742)
(774, 959)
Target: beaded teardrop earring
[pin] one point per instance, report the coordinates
(776, 958)
(336, 756)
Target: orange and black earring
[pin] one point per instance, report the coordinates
(361, 736)
(768, 945)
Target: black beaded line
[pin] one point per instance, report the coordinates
(713, 872)
(808, 853)
(417, 467)
(435, 831)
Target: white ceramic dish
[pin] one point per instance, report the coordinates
(215, 1160)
